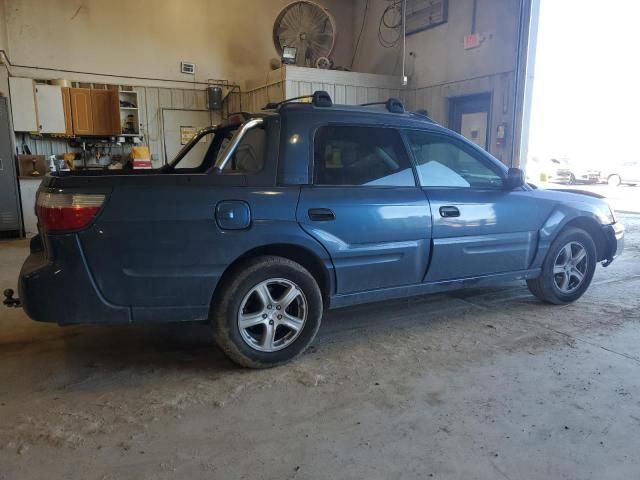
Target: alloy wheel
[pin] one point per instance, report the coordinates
(570, 267)
(272, 315)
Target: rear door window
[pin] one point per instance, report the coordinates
(363, 156)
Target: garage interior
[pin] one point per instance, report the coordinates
(479, 383)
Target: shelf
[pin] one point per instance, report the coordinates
(31, 177)
(128, 108)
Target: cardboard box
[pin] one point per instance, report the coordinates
(26, 164)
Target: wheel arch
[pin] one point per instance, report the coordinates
(296, 253)
(592, 227)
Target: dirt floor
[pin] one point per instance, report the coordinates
(479, 384)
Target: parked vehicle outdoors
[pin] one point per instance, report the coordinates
(625, 173)
(302, 208)
(542, 170)
(560, 171)
(572, 173)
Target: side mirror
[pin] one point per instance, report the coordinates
(515, 179)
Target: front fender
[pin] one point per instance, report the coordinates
(560, 218)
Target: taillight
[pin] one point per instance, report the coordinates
(59, 211)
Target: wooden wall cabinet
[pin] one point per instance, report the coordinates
(66, 105)
(81, 111)
(95, 112)
(106, 112)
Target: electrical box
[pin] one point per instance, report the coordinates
(214, 94)
(188, 68)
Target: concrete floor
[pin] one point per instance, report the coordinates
(480, 384)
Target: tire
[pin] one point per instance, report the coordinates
(548, 286)
(614, 180)
(253, 294)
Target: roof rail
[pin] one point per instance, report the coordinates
(393, 105)
(320, 98)
(424, 114)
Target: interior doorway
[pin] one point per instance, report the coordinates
(469, 116)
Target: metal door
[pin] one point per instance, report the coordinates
(478, 232)
(365, 208)
(469, 116)
(9, 197)
(479, 227)
(376, 237)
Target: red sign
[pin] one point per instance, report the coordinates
(471, 41)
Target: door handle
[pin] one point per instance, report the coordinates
(449, 211)
(321, 214)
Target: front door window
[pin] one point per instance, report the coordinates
(443, 162)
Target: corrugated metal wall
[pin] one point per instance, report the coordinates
(288, 82)
(151, 102)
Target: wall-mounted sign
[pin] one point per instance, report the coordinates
(423, 14)
(186, 134)
(472, 40)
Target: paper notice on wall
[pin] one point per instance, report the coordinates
(474, 127)
(186, 134)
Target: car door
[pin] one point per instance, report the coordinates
(479, 227)
(365, 208)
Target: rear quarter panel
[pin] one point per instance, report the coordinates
(161, 246)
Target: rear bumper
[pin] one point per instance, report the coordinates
(614, 242)
(63, 291)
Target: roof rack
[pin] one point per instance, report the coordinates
(424, 114)
(320, 98)
(393, 105)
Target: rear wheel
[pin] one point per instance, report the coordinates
(268, 312)
(568, 269)
(614, 180)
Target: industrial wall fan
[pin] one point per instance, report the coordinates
(307, 27)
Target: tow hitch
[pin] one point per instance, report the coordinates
(9, 301)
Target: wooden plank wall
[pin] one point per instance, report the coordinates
(349, 88)
(435, 100)
(260, 91)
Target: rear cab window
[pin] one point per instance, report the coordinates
(247, 159)
(347, 155)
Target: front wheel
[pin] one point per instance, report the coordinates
(268, 311)
(614, 180)
(568, 269)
